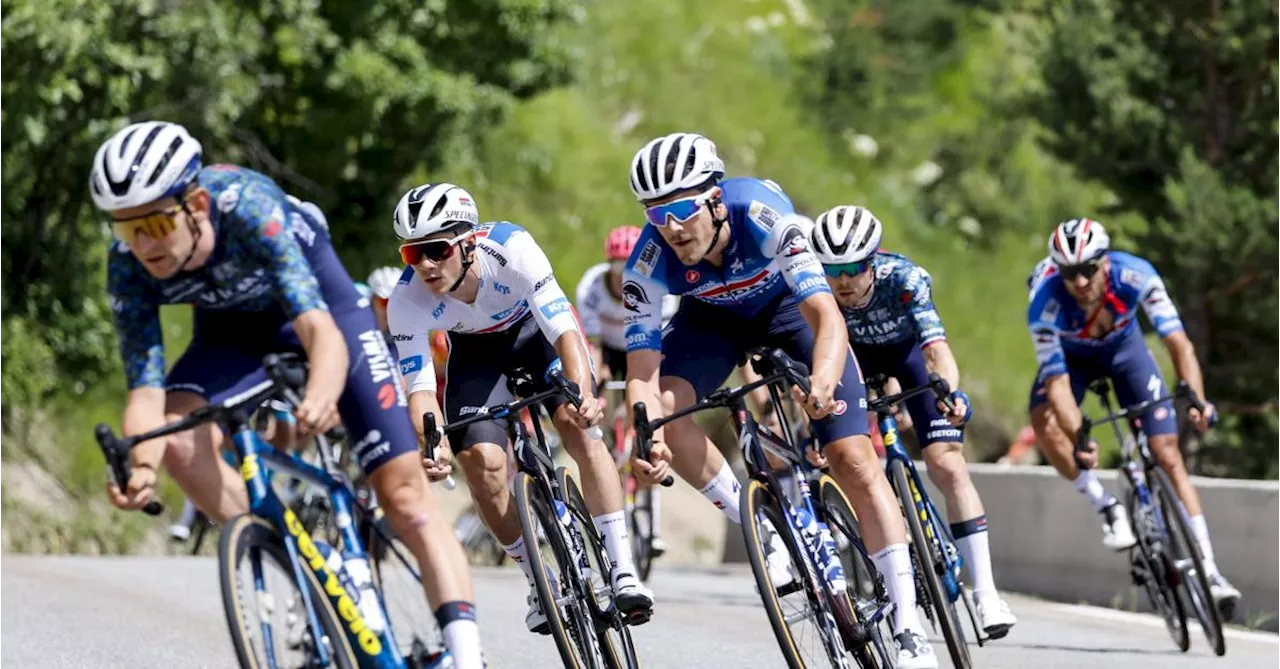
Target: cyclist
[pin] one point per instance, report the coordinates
(262, 275)
(737, 253)
(1083, 322)
(895, 330)
(599, 302)
(492, 288)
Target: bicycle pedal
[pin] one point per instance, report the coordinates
(637, 617)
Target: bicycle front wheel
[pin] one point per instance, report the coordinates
(397, 579)
(266, 614)
(1184, 555)
(1149, 570)
(924, 549)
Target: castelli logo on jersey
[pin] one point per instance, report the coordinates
(386, 396)
(692, 276)
(841, 407)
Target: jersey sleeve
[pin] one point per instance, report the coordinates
(643, 298)
(917, 293)
(783, 237)
(1147, 288)
(532, 276)
(413, 343)
(588, 302)
(262, 212)
(137, 321)
(1042, 320)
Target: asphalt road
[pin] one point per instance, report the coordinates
(166, 612)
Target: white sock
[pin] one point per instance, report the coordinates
(617, 542)
(188, 513)
(1200, 528)
(723, 492)
(519, 553)
(1087, 484)
(975, 548)
(894, 562)
(461, 634)
(655, 503)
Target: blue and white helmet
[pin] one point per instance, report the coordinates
(670, 164)
(142, 163)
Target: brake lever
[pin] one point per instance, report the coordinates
(574, 395)
(942, 390)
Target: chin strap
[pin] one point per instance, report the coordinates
(713, 203)
(468, 257)
(196, 232)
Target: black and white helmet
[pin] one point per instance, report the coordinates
(142, 163)
(845, 234)
(674, 163)
(430, 208)
(1077, 241)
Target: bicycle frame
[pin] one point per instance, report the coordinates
(375, 651)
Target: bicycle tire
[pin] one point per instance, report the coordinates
(642, 531)
(619, 652)
(872, 640)
(248, 532)
(926, 560)
(1164, 599)
(1206, 610)
(756, 498)
(398, 583)
(534, 510)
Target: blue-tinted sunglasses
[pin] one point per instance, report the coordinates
(681, 210)
(850, 268)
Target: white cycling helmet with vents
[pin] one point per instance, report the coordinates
(383, 280)
(845, 234)
(1077, 241)
(431, 208)
(673, 163)
(142, 163)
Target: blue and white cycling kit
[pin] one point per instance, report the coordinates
(890, 332)
(272, 261)
(751, 299)
(1061, 332)
(518, 314)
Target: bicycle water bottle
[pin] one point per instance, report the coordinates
(575, 540)
(361, 580)
(818, 536)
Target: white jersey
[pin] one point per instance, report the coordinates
(516, 280)
(605, 316)
(1043, 269)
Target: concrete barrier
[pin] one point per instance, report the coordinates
(1047, 541)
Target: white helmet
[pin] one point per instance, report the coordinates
(1077, 241)
(142, 163)
(674, 163)
(430, 208)
(383, 280)
(845, 234)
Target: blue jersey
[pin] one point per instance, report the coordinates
(901, 306)
(763, 262)
(272, 256)
(1060, 327)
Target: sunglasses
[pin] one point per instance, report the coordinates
(435, 250)
(1086, 270)
(156, 225)
(835, 271)
(681, 210)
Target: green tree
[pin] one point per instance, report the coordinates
(340, 102)
(1173, 105)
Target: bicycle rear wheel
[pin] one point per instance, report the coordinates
(615, 637)
(808, 636)
(642, 529)
(1149, 571)
(1184, 554)
(861, 611)
(284, 638)
(928, 562)
(567, 617)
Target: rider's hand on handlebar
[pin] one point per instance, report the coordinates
(1088, 457)
(657, 468)
(140, 490)
(958, 414)
(819, 403)
(317, 414)
(587, 413)
(815, 457)
(1203, 419)
(440, 466)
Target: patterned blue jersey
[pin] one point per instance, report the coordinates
(1059, 326)
(763, 261)
(271, 256)
(901, 306)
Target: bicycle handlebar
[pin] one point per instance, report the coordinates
(1183, 389)
(941, 389)
(287, 374)
(644, 438)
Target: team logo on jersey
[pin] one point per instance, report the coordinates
(793, 243)
(633, 296)
(411, 364)
(841, 407)
(647, 259)
(435, 313)
(762, 214)
(692, 276)
(229, 198)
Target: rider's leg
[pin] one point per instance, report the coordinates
(1060, 452)
(693, 456)
(192, 459)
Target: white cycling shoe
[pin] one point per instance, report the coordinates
(1224, 595)
(535, 619)
(657, 546)
(179, 532)
(633, 599)
(1116, 532)
(914, 651)
(994, 616)
(777, 558)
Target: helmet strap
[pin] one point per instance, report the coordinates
(196, 233)
(468, 257)
(713, 204)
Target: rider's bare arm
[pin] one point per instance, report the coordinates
(143, 412)
(939, 359)
(420, 403)
(831, 343)
(1063, 403)
(1183, 354)
(573, 355)
(327, 353)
